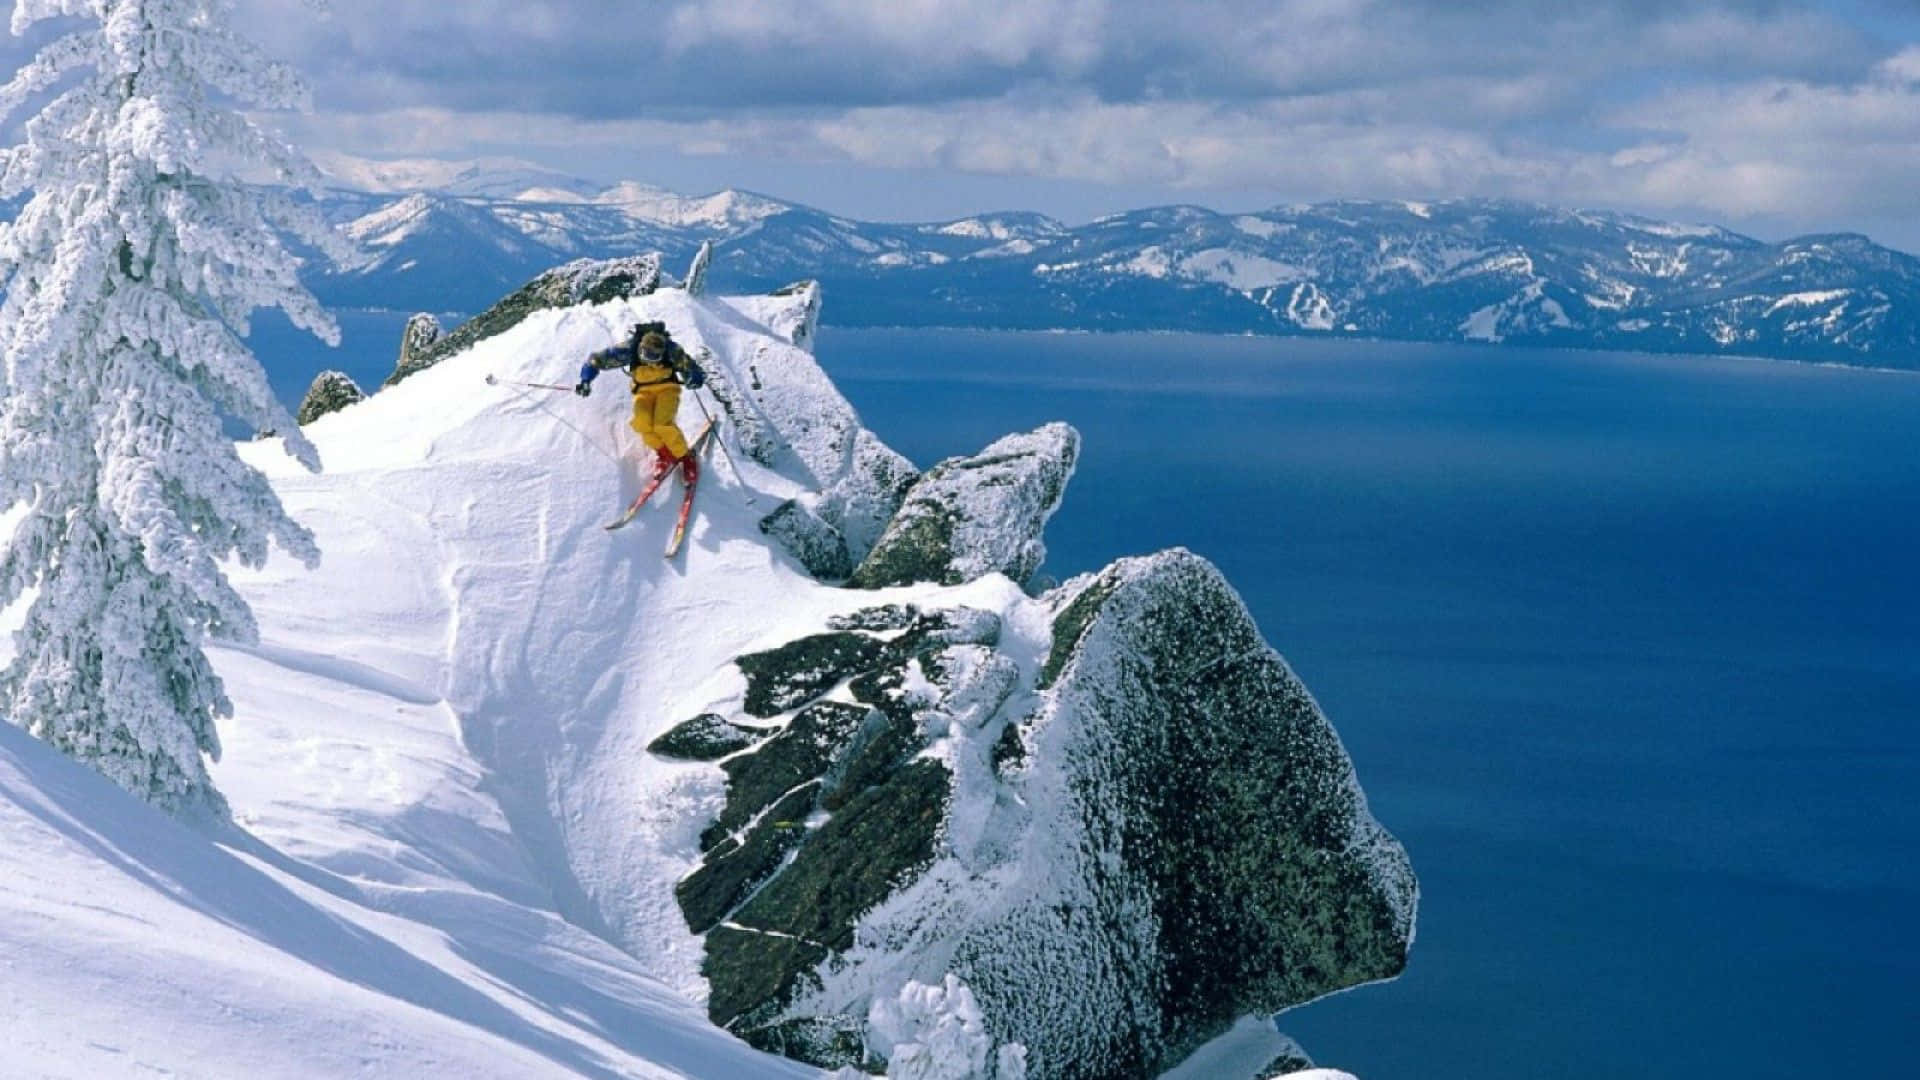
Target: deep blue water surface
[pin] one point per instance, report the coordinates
(369, 347)
(1626, 650)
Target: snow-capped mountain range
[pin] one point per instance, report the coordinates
(453, 236)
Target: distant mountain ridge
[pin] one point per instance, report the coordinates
(452, 239)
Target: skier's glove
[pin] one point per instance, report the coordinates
(583, 388)
(695, 378)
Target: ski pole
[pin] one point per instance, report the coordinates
(728, 454)
(494, 380)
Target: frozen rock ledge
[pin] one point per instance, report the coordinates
(973, 516)
(1121, 850)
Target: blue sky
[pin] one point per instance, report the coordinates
(1773, 116)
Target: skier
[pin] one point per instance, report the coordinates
(658, 367)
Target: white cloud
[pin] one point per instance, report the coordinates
(1730, 108)
(1781, 148)
(1063, 33)
(1769, 149)
(1901, 68)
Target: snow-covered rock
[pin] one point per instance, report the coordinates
(1118, 788)
(1253, 1049)
(937, 1033)
(972, 516)
(331, 391)
(787, 415)
(1179, 746)
(583, 281)
(421, 333)
(798, 320)
(697, 273)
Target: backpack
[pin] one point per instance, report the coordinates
(641, 329)
(688, 373)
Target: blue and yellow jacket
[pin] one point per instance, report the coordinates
(677, 367)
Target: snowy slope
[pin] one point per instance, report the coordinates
(435, 721)
(459, 523)
(438, 754)
(133, 946)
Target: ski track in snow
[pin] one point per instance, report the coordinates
(339, 670)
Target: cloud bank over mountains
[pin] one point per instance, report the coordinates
(1793, 113)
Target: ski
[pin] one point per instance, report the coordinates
(686, 498)
(653, 485)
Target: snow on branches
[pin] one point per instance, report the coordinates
(128, 279)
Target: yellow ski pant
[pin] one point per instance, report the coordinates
(654, 409)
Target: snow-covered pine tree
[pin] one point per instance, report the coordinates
(129, 277)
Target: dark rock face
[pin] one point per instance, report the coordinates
(880, 617)
(800, 753)
(1154, 815)
(583, 281)
(820, 547)
(707, 737)
(752, 974)
(824, 820)
(857, 859)
(1284, 1064)
(331, 391)
(1200, 763)
(758, 964)
(797, 672)
(733, 869)
(421, 333)
(968, 517)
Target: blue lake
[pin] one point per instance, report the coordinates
(1626, 650)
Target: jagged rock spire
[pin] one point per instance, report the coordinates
(331, 391)
(973, 516)
(697, 273)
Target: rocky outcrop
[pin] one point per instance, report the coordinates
(826, 819)
(583, 281)
(1153, 813)
(1185, 752)
(1287, 1064)
(707, 737)
(973, 516)
(422, 332)
(697, 273)
(786, 414)
(800, 320)
(331, 391)
(819, 547)
(831, 532)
